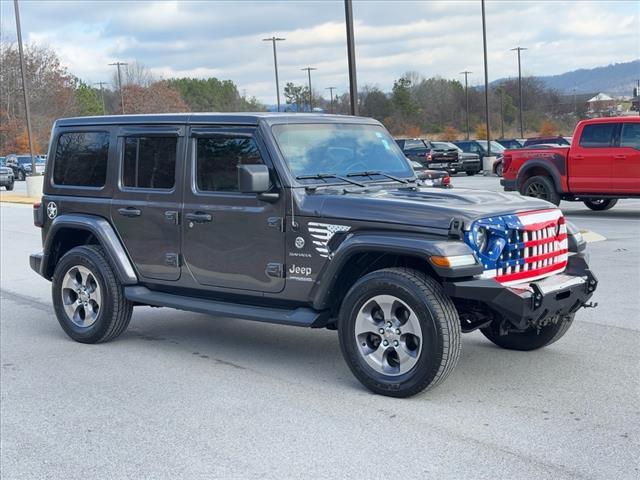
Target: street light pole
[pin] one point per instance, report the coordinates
(119, 64)
(351, 57)
(519, 49)
(275, 63)
(308, 69)
(486, 80)
(501, 112)
(331, 89)
(104, 110)
(25, 89)
(466, 98)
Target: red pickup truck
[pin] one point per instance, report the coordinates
(601, 165)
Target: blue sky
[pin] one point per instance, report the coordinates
(223, 38)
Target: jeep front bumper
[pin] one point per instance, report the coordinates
(526, 305)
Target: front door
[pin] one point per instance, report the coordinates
(590, 165)
(146, 204)
(626, 160)
(230, 239)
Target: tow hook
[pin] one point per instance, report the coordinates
(590, 305)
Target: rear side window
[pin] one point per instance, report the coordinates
(414, 145)
(630, 135)
(217, 160)
(149, 162)
(81, 159)
(597, 135)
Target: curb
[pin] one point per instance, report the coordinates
(18, 199)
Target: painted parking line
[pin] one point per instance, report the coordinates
(592, 237)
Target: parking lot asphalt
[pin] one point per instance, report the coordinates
(182, 395)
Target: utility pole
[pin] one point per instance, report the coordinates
(466, 97)
(519, 49)
(25, 89)
(102, 84)
(501, 112)
(308, 69)
(486, 80)
(351, 57)
(331, 89)
(275, 63)
(119, 64)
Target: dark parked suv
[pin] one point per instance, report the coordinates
(305, 220)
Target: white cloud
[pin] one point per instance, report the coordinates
(223, 39)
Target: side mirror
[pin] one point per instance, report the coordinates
(253, 178)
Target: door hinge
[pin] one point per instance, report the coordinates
(276, 222)
(275, 270)
(171, 216)
(172, 259)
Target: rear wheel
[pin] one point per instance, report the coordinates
(471, 173)
(88, 298)
(533, 338)
(499, 169)
(399, 333)
(541, 187)
(600, 204)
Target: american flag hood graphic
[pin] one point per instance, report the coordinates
(521, 247)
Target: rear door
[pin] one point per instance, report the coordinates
(231, 239)
(146, 204)
(591, 159)
(626, 160)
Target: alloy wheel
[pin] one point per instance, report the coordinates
(388, 334)
(81, 296)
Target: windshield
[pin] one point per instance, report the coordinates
(340, 149)
(495, 146)
(22, 160)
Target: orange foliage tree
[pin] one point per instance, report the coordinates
(22, 143)
(450, 133)
(548, 129)
(481, 131)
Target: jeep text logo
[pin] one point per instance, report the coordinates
(295, 270)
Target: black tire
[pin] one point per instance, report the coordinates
(541, 187)
(530, 339)
(499, 169)
(600, 204)
(436, 316)
(115, 310)
(9, 186)
(471, 173)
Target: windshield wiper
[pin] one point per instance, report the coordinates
(321, 176)
(369, 173)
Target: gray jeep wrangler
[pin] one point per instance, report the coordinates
(306, 220)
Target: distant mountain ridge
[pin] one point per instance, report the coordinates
(614, 79)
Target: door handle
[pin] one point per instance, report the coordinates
(129, 212)
(619, 157)
(199, 217)
(578, 157)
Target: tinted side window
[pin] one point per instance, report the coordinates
(149, 162)
(414, 145)
(217, 159)
(630, 135)
(597, 135)
(81, 159)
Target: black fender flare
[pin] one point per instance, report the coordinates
(395, 243)
(106, 235)
(550, 168)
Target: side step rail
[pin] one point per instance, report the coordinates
(301, 316)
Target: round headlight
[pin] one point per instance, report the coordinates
(482, 239)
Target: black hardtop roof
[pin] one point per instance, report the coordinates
(241, 118)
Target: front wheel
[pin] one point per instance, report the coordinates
(399, 332)
(9, 186)
(499, 169)
(600, 204)
(88, 298)
(541, 187)
(533, 338)
(471, 173)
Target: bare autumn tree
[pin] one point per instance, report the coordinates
(50, 90)
(159, 97)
